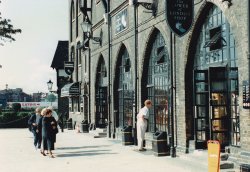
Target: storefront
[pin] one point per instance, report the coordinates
(101, 97)
(124, 90)
(214, 104)
(156, 83)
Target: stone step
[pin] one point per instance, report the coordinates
(224, 156)
(226, 165)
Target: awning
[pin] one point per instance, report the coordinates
(72, 89)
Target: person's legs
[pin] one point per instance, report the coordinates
(140, 135)
(45, 146)
(35, 138)
(50, 147)
(39, 141)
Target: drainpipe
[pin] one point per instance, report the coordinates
(89, 98)
(136, 70)
(109, 54)
(173, 150)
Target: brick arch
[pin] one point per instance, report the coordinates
(159, 28)
(146, 55)
(191, 49)
(101, 57)
(122, 46)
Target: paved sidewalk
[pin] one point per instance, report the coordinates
(81, 152)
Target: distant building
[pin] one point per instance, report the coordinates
(15, 95)
(37, 97)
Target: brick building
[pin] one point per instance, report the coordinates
(125, 59)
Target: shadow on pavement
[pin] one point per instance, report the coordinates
(88, 151)
(82, 147)
(83, 154)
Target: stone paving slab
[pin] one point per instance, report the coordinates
(81, 152)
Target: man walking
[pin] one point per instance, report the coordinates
(33, 122)
(142, 123)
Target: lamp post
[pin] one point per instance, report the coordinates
(86, 27)
(50, 85)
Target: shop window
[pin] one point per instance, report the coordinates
(158, 85)
(127, 65)
(72, 55)
(216, 47)
(124, 89)
(216, 41)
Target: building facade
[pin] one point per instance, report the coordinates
(126, 59)
(60, 56)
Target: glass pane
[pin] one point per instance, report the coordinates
(201, 99)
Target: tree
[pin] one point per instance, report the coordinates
(7, 30)
(51, 98)
(16, 107)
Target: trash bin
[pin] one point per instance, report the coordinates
(84, 126)
(127, 138)
(245, 167)
(160, 144)
(69, 124)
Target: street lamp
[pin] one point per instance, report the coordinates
(86, 28)
(50, 84)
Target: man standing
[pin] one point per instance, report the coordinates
(33, 122)
(142, 123)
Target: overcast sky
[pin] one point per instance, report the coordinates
(26, 62)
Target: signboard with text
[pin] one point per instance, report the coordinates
(69, 67)
(31, 105)
(246, 95)
(179, 15)
(213, 147)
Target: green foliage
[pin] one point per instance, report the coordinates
(7, 30)
(14, 120)
(16, 107)
(51, 98)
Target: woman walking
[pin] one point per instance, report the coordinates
(49, 131)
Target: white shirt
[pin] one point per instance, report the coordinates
(144, 112)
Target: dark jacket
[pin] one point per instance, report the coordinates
(32, 120)
(48, 131)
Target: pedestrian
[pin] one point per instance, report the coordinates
(142, 122)
(33, 122)
(54, 114)
(49, 130)
(43, 113)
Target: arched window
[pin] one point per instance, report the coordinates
(77, 10)
(101, 94)
(79, 54)
(72, 54)
(216, 43)
(125, 89)
(72, 18)
(215, 78)
(157, 81)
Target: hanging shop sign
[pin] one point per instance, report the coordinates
(69, 67)
(246, 95)
(179, 15)
(213, 155)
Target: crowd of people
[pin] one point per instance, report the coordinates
(43, 125)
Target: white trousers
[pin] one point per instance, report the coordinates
(141, 129)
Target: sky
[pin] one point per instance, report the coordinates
(26, 61)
